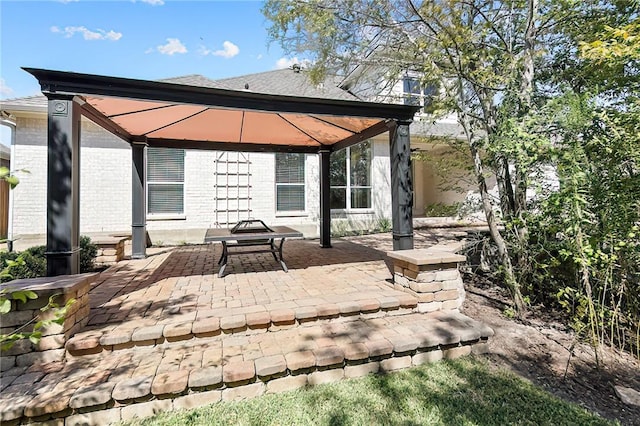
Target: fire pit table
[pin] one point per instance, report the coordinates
(247, 233)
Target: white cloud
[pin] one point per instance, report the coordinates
(173, 46)
(259, 56)
(87, 34)
(153, 2)
(229, 50)
(289, 62)
(5, 91)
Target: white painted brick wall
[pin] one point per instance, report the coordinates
(105, 180)
(30, 196)
(381, 176)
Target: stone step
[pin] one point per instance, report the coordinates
(118, 385)
(256, 318)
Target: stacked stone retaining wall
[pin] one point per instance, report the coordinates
(24, 315)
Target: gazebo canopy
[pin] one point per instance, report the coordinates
(182, 116)
(162, 114)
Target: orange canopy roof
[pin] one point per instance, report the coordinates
(182, 116)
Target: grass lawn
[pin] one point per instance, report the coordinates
(460, 392)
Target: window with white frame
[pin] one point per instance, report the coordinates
(290, 182)
(350, 177)
(417, 94)
(165, 181)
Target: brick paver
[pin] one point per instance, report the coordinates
(257, 325)
(174, 382)
(238, 371)
(270, 365)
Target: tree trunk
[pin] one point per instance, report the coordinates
(503, 252)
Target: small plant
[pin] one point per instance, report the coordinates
(383, 224)
(340, 228)
(23, 332)
(509, 312)
(31, 263)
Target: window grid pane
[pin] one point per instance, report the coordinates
(166, 198)
(351, 190)
(360, 198)
(290, 187)
(361, 165)
(289, 168)
(338, 168)
(289, 198)
(165, 165)
(165, 181)
(338, 198)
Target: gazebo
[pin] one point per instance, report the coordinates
(159, 114)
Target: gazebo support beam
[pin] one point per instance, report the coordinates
(325, 200)
(401, 186)
(63, 186)
(138, 202)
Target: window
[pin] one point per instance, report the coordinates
(290, 182)
(411, 88)
(350, 177)
(415, 94)
(165, 181)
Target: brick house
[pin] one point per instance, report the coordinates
(192, 190)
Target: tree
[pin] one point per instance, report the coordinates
(534, 83)
(593, 220)
(479, 53)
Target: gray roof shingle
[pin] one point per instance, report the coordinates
(284, 82)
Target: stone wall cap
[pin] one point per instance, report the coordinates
(426, 256)
(110, 239)
(60, 282)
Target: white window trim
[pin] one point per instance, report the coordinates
(165, 216)
(290, 213)
(348, 187)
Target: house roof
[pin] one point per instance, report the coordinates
(286, 82)
(180, 115)
(37, 103)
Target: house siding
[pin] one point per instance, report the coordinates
(103, 164)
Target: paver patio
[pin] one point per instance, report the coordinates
(166, 330)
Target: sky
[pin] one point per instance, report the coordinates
(146, 39)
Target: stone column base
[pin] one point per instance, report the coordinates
(431, 275)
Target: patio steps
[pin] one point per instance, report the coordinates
(114, 385)
(251, 319)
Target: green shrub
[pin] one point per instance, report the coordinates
(88, 252)
(35, 261)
